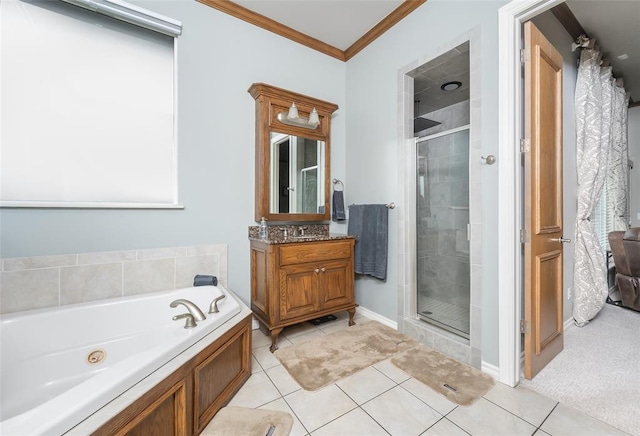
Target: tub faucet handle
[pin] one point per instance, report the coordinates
(213, 308)
(189, 322)
(192, 308)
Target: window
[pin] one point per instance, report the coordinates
(88, 104)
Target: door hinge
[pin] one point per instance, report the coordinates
(524, 55)
(524, 236)
(525, 327)
(524, 146)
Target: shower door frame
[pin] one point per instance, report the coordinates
(414, 212)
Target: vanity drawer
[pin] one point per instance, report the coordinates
(315, 252)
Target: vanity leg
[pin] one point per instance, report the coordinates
(274, 339)
(352, 313)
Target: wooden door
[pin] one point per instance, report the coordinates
(334, 288)
(543, 333)
(298, 293)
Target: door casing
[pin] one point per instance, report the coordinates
(511, 17)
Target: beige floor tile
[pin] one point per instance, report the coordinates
(281, 406)
(317, 408)
(282, 380)
(567, 421)
(259, 339)
(433, 399)
(444, 427)
(255, 366)
(528, 405)
(365, 385)
(258, 390)
(392, 371)
(400, 413)
(334, 326)
(311, 334)
(354, 423)
(265, 357)
(485, 418)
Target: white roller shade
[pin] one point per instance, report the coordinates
(87, 109)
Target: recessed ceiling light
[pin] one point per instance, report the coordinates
(451, 86)
(623, 57)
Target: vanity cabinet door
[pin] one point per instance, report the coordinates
(335, 287)
(298, 290)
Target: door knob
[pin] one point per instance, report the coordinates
(561, 240)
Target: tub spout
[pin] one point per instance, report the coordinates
(191, 307)
(213, 308)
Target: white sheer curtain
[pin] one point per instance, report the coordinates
(593, 101)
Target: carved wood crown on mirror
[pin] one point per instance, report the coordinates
(293, 163)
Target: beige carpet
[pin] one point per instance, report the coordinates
(458, 382)
(327, 359)
(248, 422)
(598, 371)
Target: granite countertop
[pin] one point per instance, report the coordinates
(295, 239)
(290, 234)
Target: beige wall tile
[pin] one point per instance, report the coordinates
(188, 267)
(162, 253)
(106, 257)
(29, 289)
(148, 276)
(22, 263)
(90, 282)
(201, 250)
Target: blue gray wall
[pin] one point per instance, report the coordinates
(219, 57)
(372, 113)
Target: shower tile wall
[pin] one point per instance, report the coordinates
(468, 351)
(443, 215)
(47, 281)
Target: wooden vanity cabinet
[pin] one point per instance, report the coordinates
(299, 281)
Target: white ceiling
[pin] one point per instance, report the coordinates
(340, 23)
(337, 23)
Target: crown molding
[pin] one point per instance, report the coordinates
(266, 23)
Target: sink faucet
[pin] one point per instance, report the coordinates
(191, 307)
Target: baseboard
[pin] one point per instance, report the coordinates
(377, 317)
(568, 324)
(490, 369)
(255, 324)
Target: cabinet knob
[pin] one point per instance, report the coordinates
(322, 269)
(316, 270)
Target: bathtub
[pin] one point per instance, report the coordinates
(59, 366)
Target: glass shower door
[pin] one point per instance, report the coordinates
(442, 205)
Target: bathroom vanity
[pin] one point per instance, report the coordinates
(300, 278)
(298, 272)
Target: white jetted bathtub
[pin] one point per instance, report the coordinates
(61, 365)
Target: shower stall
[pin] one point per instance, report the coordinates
(443, 230)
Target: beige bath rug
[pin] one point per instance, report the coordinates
(249, 422)
(327, 359)
(458, 382)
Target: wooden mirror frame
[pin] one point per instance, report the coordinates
(270, 101)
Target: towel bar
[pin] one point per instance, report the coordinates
(391, 205)
(338, 182)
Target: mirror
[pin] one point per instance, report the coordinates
(297, 174)
(292, 156)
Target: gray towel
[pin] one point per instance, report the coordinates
(369, 224)
(338, 213)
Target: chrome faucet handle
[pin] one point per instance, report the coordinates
(213, 308)
(191, 307)
(189, 322)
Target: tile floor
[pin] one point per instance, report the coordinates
(383, 400)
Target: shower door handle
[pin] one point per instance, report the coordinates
(560, 240)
